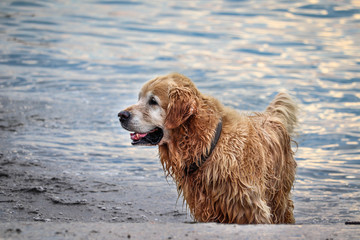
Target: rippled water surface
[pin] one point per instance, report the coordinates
(68, 67)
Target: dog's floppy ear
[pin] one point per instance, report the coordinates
(181, 106)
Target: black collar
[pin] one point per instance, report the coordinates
(195, 166)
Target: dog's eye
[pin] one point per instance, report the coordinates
(152, 101)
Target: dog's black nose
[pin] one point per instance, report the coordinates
(124, 115)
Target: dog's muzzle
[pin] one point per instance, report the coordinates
(152, 137)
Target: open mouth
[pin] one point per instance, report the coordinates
(150, 138)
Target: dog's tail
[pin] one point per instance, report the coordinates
(284, 109)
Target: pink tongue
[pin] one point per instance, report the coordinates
(137, 136)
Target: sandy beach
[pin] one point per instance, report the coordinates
(43, 201)
(45, 192)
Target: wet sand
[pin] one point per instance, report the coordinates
(44, 201)
(45, 192)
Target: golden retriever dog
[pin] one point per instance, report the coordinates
(230, 167)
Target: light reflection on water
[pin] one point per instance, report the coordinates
(66, 69)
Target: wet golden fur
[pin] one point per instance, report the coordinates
(249, 175)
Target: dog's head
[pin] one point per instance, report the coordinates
(164, 104)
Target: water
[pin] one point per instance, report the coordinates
(68, 67)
